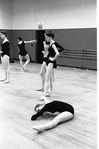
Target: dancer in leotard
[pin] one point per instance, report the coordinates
(43, 66)
(46, 45)
(23, 52)
(51, 60)
(5, 55)
(63, 112)
(52, 78)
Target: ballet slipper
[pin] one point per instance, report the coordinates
(38, 129)
(49, 94)
(41, 89)
(45, 100)
(42, 98)
(3, 80)
(6, 82)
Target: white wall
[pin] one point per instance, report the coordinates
(54, 14)
(6, 14)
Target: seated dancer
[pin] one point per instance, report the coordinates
(62, 111)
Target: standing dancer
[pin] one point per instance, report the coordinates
(51, 60)
(52, 79)
(63, 112)
(43, 66)
(22, 52)
(46, 45)
(5, 55)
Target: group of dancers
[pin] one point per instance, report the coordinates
(62, 111)
(5, 54)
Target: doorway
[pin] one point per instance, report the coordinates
(39, 34)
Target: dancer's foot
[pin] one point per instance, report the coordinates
(46, 100)
(49, 93)
(3, 80)
(6, 81)
(41, 89)
(42, 98)
(38, 129)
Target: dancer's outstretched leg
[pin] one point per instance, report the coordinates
(62, 117)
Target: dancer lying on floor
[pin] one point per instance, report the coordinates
(62, 111)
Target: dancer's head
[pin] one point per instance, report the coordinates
(38, 107)
(19, 39)
(48, 36)
(3, 34)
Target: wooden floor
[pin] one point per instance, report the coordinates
(18, 98)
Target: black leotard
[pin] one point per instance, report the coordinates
(54, 106)
(5, 48)
(45, 48)
(44, 59)
(22, 49)
(51, 54)
(51, 51)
